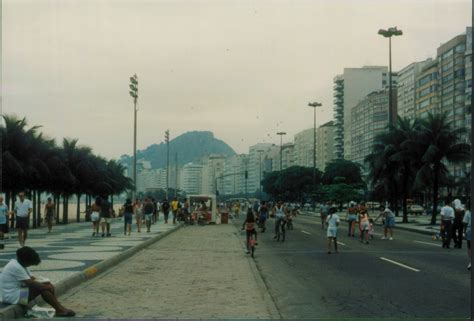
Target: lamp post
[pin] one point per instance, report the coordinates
(393, 31)
(314, 105)
(134, 94)
(260, 151)
(281, 146)
(167, 140)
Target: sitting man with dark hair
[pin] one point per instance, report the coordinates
(19, 286)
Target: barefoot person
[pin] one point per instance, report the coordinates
(49, 209)
(23, 208)
(389, 221)
(3, 222)
(467, 231)
(127, 216)
(20, 287)
(95, 216)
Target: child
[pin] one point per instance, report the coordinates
(249, 226)
(371, 229)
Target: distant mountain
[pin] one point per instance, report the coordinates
(190, 146)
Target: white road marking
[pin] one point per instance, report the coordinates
(400, 264)
(432, 244)
(306, 232)
(340, 243)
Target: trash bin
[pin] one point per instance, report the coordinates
(224, 217)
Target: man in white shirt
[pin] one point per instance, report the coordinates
(20, 287)
(23, 208)
(467, 230)
(447, 216)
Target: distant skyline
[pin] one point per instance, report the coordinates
(241, 69)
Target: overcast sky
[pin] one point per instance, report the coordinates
(242, 69)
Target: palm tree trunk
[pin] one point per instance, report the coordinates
(78, 213)
(112, 200)
(405, 193)
(39, 208)
(435, 195)
(64, 210)
(12, 222)
(33, 196)
(57, 200)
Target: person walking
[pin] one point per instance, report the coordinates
(20, 287)
(49, 210)
(363, 223)
(138, 210)
(127, 217)
(333, 222)
(148, 211)
(323, 212)
(262, 216)
(165, 208)
(352, 218)
(155, 210)
(105, 215)
(3, 222)
(23, 208)
(95, 216)
(389, 221)
(174, 209)
(447, 216)
(457, 223)
(468, 232)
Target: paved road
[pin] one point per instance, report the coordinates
(195, 273)
(306, 282)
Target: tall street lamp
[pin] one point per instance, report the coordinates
(134, 93)
(393, 31)
(314, 105)
(281, 146)
(260, 151)
(167, 140)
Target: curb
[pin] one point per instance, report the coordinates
(17, 312)
(265, 292)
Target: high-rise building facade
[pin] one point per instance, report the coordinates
(325, 150)
(349, 88)
(192, 178)
(288, 155)
(406, 89)
(426, 89)
(369, 118)
(304, 146)
(256, 165)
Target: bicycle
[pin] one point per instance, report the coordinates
(280, 229)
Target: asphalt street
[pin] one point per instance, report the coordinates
(409, 277)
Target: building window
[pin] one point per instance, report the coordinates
(461, 47)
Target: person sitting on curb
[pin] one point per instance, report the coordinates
(18, 284)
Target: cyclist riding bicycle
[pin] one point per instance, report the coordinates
(262, 216)
(279, 212)
(249, 226)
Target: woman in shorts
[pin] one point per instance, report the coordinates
(3, 222)
(363, 224)
(49, 213)
(95, 216)
(138, 210)
(352, 218)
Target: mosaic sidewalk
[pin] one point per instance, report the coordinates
(71, 248)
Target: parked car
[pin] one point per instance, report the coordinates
(415, 209)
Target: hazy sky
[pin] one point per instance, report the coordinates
(242, 69)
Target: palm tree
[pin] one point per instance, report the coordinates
(439, 145)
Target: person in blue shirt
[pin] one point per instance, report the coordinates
(3, 222)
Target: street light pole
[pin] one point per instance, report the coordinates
(389, 33)
(167, 140)
(314, 105)
(260, 170)
(134, 94)
(281, 148)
